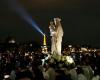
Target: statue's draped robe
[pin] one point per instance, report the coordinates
(59, 35)
(53, 38)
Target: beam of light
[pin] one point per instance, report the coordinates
(21, 12)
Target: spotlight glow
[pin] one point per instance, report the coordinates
(44, 40)
(22, 12)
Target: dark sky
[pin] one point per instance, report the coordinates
(80, 20)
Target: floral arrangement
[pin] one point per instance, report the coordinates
(59, 60)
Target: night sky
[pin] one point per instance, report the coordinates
(80, 20)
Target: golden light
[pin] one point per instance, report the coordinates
(44, 47)
(44, 40)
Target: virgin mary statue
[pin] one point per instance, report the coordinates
(56, 34)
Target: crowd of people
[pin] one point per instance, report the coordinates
(31, 67)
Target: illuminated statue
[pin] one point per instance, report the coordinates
(57, 34)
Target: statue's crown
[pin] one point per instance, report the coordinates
(57, 19)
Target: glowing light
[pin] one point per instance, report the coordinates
(84, 49)
(69, 59)
(44, 40)
(31, 57)
(89, 50)
(26, 54)
(95, 50)
(80, 51)
(44, 47)
(31, 45)
(6, 76)
(12, 41)
(21, 12)
(69, 46)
